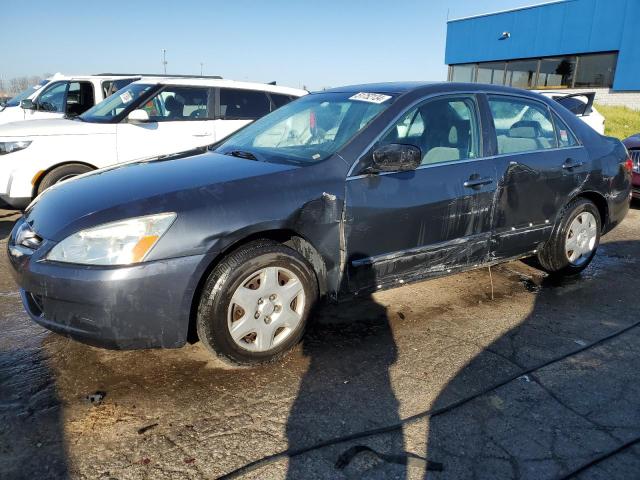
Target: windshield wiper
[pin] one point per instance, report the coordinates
(242, 154)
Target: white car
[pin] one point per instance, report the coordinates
(61, 96)
(147, 118)
(581, 104)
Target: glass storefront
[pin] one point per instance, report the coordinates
(572, 71)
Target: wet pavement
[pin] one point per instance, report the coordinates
(537, 382)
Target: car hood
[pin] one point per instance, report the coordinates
(141, 188)
(52, 126)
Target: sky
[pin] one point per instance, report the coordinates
(308, 43)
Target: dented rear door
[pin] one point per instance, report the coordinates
(540, 166)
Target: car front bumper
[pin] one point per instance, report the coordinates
(141, 306)
(636, 185)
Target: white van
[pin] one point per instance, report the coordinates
(147, 118)
(61, 96)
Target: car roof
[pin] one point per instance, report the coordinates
(400, 88)
(59, 76)
(222, 83)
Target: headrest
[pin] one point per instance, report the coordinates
(453, 135)
(525, 129)
(173, 104)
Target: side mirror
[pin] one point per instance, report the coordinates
(28, 104)
(396, 157)
(138, 116)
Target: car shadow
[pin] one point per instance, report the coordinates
(549, 422)
(347, 385)
(31, 421)
(7, 219)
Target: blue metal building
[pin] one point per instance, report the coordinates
(562, 44)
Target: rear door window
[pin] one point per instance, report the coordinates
(522, 125)
(237, 104)
(179, 104)
(80, 98)
(109, 87)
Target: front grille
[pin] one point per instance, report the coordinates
(635, 158)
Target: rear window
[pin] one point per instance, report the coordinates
(236, 104)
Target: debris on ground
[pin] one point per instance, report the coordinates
(147, 428)
(96, 398)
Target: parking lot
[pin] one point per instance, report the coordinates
(535, 382)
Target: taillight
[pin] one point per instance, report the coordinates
(628, 165)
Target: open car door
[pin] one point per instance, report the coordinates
(578, 107)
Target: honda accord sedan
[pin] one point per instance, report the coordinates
(339, 193)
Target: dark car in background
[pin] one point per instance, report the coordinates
(338, 193)
(633, 145)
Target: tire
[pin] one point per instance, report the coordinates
(60, 173)
(580, 220)
(248, 293)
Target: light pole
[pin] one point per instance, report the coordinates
(201, 65)
(164, 60)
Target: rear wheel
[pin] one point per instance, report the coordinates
(574, 241)
(256, 302)
(61, 173)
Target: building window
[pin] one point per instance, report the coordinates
(556, 72)
(521, 74)
(463, 73)
(596, 70)
(574, 71)
(492, 73)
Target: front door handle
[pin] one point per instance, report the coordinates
(570, 164)
(476, 183)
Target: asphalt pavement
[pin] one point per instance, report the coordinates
(446, 379)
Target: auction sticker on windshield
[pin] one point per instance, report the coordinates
(126, 97)
(370, 97)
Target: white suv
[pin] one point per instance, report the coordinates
(580, 104)
(61, 96)
(147, 118)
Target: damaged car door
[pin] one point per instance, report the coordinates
(540, 164)
(406, 225)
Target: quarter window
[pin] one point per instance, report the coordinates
(565, 137)
(178, 104)
(521, 125)
(445, 130)
(236, 104)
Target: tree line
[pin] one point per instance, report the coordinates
(13, 86)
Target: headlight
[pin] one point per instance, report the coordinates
(10, 147)
(118, 243)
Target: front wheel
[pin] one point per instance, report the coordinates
(256, 302)
(62, 173)
(574, 241)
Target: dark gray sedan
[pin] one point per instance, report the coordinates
(338, 193)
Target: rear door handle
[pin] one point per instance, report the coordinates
(477, 182)
(569, 164)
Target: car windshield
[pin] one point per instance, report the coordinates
(15, 101)
(113, 106)
(307, 130)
